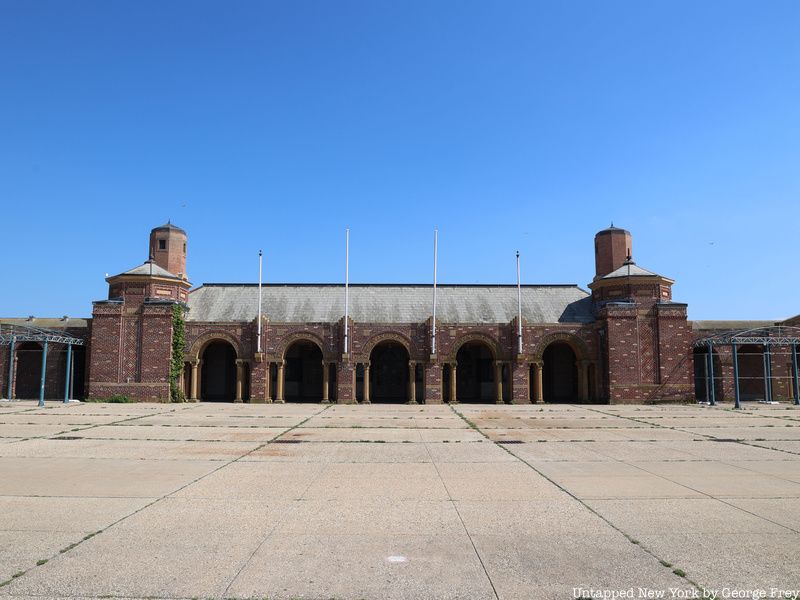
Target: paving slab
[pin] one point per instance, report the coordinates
(95, 478)
(644, 516)
(331, 452)
(495, 481)
(481, 451)
(612, 480)
(735, 561)
(64, 515)
(784, 511)
(20, 550)
(129, 449)
(364, 566)
(253, 481)
(19, 431)
(526, 566)
(178, 547)
(160, 432)
(723, 480)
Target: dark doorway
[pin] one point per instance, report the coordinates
(29, 371)
(701, 373)
(218, 379)
(560, 373)
(78, 377)
(751, 372)
(388, 373)
(475, 373)
(303, 375)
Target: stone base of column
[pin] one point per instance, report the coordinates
(433, 383)
(520, 383)
(345, 381)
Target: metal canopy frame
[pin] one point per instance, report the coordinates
(777, 335)
(10, 334)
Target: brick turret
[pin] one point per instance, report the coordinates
(168, 248)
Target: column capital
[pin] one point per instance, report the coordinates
(240, 362)
(412, 363)
(194, 362)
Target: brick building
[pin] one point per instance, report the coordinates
(624, 341)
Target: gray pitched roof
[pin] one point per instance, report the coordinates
(630, 269)
(316, 303)
(148, 269)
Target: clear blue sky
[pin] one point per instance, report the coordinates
(508, 125)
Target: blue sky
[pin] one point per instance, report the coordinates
(507, 125)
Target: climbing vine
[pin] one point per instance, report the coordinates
(178, 348)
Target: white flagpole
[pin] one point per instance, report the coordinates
(519, 309)
(435, 251)
(346, 288)
(258, 337)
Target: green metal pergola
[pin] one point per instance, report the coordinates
(768, 337)
(11, 334)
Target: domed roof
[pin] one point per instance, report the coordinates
(168, 226)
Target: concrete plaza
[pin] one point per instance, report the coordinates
(335, 501)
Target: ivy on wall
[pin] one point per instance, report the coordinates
(178, 349)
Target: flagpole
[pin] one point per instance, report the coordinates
(258, 338)
(519, 309)
(433, 325)
(346, 288)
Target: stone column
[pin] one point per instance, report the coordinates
(279, 385)
(239, 379)
(325, 375)
(195, 384)
(366, 383)
(412, 382)
(453, 386)
(520, 382)
(433, 383)
(538, 388)
(498, 381)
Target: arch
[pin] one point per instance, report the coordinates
(389, 336)
(578, 346)
(752, 385)
(475, 372)
(389, 371)
(218, 374)
(701, 391)
(200, 344)
(286, 342)
(29, 370)
(303, 371)
(560, 372)
(490, 342)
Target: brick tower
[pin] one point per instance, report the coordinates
(131, 337)
(168, 248)
(612, 247)
(646, 336)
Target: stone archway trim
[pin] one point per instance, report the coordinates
(204, 340)
(492, 343)
(302, 336)
(577, 344)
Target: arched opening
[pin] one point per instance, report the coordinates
(303, 374)
(29, 371)
(218, 379)
(560, 373)
(702, 374)
(475, 373)
(389, 372)
(751, 372)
